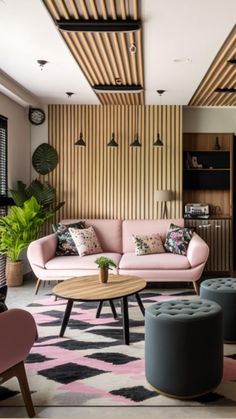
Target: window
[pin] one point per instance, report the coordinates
(3, 165)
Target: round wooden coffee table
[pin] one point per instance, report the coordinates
(88, 288)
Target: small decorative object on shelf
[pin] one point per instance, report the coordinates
(104, 264)
(195, 163)
(217, 144)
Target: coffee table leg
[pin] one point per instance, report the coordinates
(113, 309)
(125, 320)
(99, 309)
(66, 317)
(139, 301)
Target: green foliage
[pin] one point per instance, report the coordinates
(45, 158)
(104, 262)
(43, 192)
(21, 226)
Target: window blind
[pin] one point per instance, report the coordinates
(3, 159)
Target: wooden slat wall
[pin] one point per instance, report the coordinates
(220, 74)
(97, 181)
(216, 234)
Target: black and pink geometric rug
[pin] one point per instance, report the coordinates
(90, 366)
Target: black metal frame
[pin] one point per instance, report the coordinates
(82, 25)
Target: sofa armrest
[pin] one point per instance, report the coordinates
(42, 250)
(198, 251)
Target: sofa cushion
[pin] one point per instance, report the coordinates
(177, 239)
(65, 244)
(157, 261)
(131, 227)
(109, 233)
(76, 262)
(86, 241)
(147, 244)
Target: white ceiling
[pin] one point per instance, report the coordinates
(172, 29)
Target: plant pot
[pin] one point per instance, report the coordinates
(103, 275)
(14, 273)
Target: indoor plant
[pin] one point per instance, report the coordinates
(104, 264)
(17, 230)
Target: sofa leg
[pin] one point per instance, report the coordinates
(37, 286)
(196, 287)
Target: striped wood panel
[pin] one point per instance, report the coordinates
(221, 74)
(97, 181)
(104, 57)
(217, 234)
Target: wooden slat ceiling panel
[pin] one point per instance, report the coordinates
(104, 57)
(221, 74)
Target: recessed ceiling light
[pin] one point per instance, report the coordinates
(182, 60)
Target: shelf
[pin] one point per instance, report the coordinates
(206, 169)
(206, 151)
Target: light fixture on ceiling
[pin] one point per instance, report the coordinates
(232, 61)
(225, 90)
(100, 25)
(69, 94)
(158, 142)
(42, 63)
(136, 142)
(80, 141)
(183, 60)
(117, 88)
(133, 48)
(113, 142)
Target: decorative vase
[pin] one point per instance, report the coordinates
(14, 273)
(217, 144)
(103, 275)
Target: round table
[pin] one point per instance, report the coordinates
(88, 288)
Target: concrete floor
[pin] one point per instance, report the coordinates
(20, 297)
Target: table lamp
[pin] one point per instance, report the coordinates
(163, 196)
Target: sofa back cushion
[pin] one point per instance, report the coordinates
(131, 227)
(108, 232)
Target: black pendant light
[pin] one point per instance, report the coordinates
(80, 141)
(136, 142)
(158, 142)
(113, 142)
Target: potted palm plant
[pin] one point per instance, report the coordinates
(104, 264)
(17, 230)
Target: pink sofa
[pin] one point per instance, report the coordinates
(115, 237)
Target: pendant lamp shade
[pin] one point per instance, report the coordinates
(113, 142)
(80, 141)
(158, 142)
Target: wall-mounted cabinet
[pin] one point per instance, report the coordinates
(208, 179)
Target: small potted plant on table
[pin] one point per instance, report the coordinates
(104, 264)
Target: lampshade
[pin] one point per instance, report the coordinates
(163, 195)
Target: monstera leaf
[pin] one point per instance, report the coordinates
(44, 159)
(43, 192)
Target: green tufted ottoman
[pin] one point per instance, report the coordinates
(223, 292)
(184, 347)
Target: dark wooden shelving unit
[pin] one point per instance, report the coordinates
(211, 184)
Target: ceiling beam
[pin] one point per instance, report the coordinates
(99, 25)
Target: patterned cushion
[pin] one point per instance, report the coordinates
(145, 244)
(177, 239)
(86, 241)
(66, 245)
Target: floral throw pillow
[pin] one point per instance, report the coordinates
(86, 241)
(65, 244)
(145, 244)
(177, 239)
